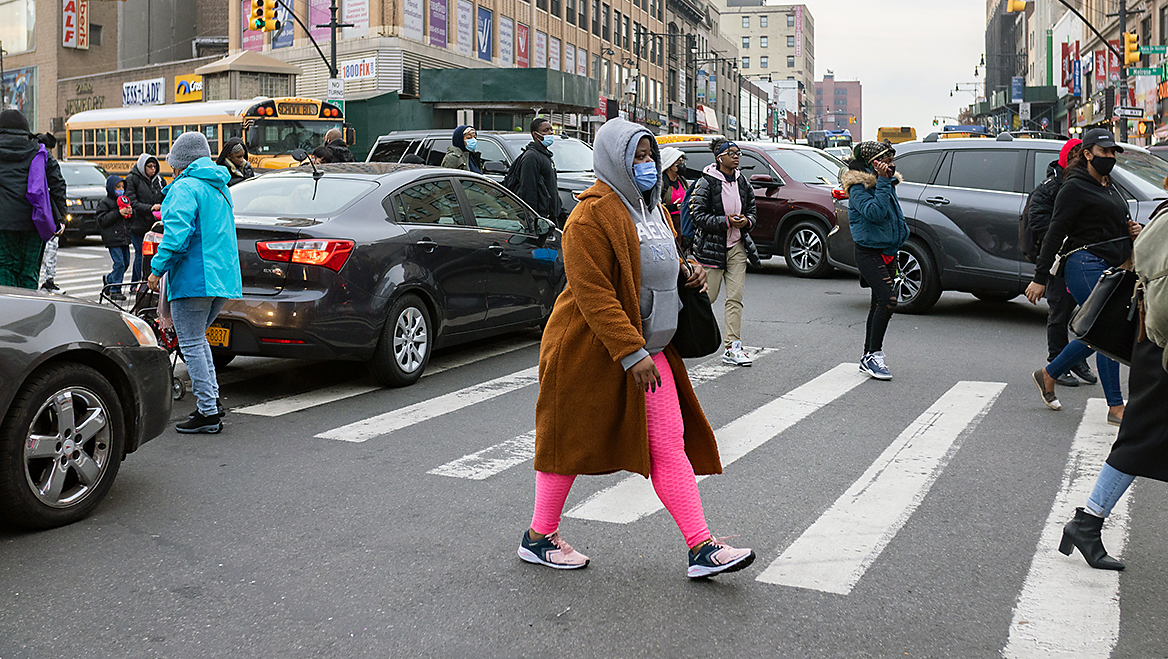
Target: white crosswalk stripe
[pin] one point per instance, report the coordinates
(833, 554)
(1067, 608)
(634, 498)
(517, 450)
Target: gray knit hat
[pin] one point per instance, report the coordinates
(188, 148)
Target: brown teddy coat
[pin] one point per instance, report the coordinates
(590, 416)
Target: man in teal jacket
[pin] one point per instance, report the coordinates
(200, 258)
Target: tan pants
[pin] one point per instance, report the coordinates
(735, 276)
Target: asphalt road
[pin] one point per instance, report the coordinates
(913, 518)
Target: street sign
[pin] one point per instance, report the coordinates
(1024, 111)
(1155, 71)
(1153, 50)
(336, 88)
(1129, 112)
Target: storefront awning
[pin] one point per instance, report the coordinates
(711, 118)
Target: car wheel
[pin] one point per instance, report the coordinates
(994, 296)
(805, 250)
(222, 359)
(406, 342)
(917, 282)
(60, 447)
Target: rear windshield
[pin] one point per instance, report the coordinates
(1145, 172)
(808, 166)
(297, 196)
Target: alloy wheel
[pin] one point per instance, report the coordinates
(909, 277)
(67, 450)
(410, 340)
(806, 249)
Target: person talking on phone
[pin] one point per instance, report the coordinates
(1090, 231)
(723, 212)
(878, 230)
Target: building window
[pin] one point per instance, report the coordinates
(790, 41)
(583, 17)
(555, 10)
(790, 20)
(18, 21)
(790, 61)
(762, 42)
(762, 21)
(746, 62)
(625, 37)
(746, 21)
(570, 14)
(745, 42)
(607, 23)
(596, 18)
(95, 33)
(762, 62)
(542, 4)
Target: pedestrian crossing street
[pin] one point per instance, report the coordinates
(1060, 595)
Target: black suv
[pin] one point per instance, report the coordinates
(498, 150)
(963, 199)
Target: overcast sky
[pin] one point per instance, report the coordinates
(908, 54)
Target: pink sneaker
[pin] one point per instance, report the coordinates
(552, 551)
(716, 557)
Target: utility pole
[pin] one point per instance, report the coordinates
(332, 25)
(1122, 73)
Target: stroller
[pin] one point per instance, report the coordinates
(144, 305)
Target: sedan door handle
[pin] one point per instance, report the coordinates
(426, 244)
(937, 201)
(497, 250)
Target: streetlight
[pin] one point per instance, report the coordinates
(733, 61)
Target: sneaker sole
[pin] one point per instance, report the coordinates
(735, 363)
(530, 557)
(205, 430)
(874, 375)
(699, 571)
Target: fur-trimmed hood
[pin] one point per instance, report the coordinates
(864, 178)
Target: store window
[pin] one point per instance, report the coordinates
(18, 25)
(20, 87)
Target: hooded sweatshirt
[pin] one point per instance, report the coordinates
(115, 229)
(143, 192)
(457, 155)
(615, 146)
(17, 147)
(1086, 214)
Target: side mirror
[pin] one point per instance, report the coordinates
(495, 167)
(299, 155)
(765, 181)
(350, 135)
(544, 227)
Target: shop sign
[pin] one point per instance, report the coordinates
(144, 92)
(188, 88)
(358, 69)
(75, 105)
(75, 24)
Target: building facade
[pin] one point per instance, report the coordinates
(839, 105)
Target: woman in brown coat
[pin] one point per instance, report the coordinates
(614, 395)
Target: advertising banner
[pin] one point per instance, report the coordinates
(283, 37)
(506, 41)
(522, 46)
(413, 22)
(438, 23)
(1113, 64)
(144, 92)
(1017, 89)
(465, 27)
(712, 90)
(554, 54)
(798, 31)
(541, 50)
(486, 30)
(69, 24)
(582, 62)
(1078, 88)
(357, 13)
(569, 58)
(318, 14)
(681, 87)
(703, 79)
(358, 69)
(1099, 64)
(250, 39)
(188, 88)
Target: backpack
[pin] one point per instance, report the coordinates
(1028, 241)
(686, 229)
(37, 195)
(511, 180)
(1150, 260)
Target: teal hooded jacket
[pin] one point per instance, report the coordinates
(198, 248)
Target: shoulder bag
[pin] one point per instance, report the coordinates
(697, 332)
(1109, 319)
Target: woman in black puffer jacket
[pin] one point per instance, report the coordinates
(144, 191)
(723, 212)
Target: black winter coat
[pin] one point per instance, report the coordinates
(341, 151)
(1085, 213)
(1040, 206)
(115, 229)
(710, 224)
(143, 194)
(538, 185)
(17, 147)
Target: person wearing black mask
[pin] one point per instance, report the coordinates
(1091, 231)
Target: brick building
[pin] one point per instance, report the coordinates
(837, 102)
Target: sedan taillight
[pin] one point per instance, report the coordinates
(839, 194)
(331, 254)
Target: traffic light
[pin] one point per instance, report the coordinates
(1144, 128)
(263, 16)
(1131, 48)
(1015, 5)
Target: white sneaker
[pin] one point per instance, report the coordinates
(736, 356)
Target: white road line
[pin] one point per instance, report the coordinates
(633, 498)
(75, 255)
(88, 248)
(383, 424)
(521, 448)
(833, 554)
(78, 279)
(309, 399)
(1067, 608)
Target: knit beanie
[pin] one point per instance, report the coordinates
(188, 148)
(866, 152)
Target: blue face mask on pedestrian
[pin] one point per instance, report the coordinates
(548, 140)
(472, 144)
(645, 175)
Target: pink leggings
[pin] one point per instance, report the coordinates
(669, 468)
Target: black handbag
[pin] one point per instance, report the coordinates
(1109, 319)
(697, 332)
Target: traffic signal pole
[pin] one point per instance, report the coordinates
(1122, 71)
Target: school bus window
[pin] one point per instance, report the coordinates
(151, 140)
(124, 146)
(163, 140)
(137, 133)
(89, 142)
(211, 132)
(192, 128)
(100, 145)
(75, 147)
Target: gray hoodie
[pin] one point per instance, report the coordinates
(614, 148)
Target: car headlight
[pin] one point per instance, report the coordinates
(72, 202)
(141, 330)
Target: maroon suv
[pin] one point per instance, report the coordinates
(793, 189)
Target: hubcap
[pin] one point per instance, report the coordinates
(806, 249)
(67, 450)
(909, 277)
(410, 340)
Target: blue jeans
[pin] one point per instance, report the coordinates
(192, 316)
(1109, 487)
(1082, 273)
(136, 241)
(121, 258)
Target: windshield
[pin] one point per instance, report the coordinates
(273, 137)
(1144, 172)
(571, 155)
(296, 196)
(82, 174)
(808, 166)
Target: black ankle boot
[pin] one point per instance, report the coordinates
(1083, 532)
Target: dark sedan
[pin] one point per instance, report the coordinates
(86, 187)
(81, 386)
(383, 263)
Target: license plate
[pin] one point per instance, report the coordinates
(218, 336)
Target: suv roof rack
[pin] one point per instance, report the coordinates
(1004, 136)
(931, 137)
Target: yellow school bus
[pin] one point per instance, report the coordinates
(896, 134)
(271, 127)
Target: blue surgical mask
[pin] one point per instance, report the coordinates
(471, 144)
(645, 175)
(548, 140)
(119, 192)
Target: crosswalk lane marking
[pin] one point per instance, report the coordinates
(309, 399)
(383, 424)
(1066, 607)
(75, 255)
(521, 448)
(834, 552)
(634, 498)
